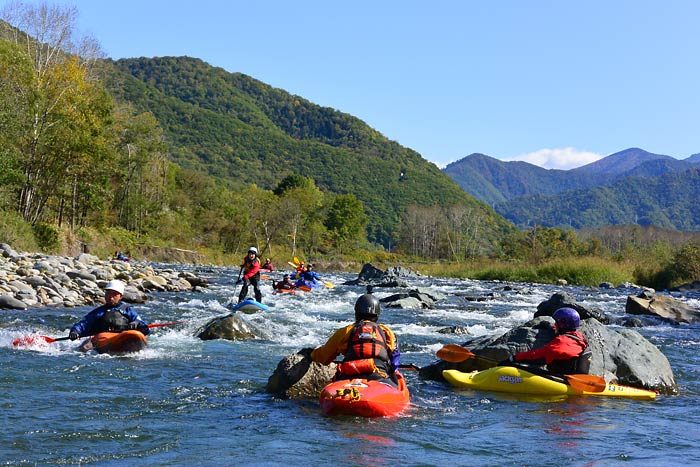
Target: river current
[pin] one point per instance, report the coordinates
(188, 402)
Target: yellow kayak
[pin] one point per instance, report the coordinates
(518, 381)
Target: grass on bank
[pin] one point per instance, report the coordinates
(586, 271)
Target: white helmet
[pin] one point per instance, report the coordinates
(117, 286)
(254, 250)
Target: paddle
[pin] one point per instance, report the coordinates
(31, 340)
(456, 353)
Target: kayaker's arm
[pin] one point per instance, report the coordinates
(337, 344)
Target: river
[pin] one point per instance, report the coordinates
(188, 402)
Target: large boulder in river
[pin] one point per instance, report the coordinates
(662, 306)
(230, 327)
(565, 299)
(375, 277)
(298, 377)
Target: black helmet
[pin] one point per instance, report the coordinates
(367, 307)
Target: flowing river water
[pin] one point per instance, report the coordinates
(188, 402)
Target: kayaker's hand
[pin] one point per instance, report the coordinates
(73, 335)
(134, 325)
(246, 282)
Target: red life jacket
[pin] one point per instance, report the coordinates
(367, 351)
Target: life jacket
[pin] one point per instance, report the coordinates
(367, 351)
(576, 365)
(111, 320)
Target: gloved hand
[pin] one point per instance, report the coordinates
(134, 325)
(73, 335)
(246, 282)
(507, 362)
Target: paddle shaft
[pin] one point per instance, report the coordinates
(28, 340)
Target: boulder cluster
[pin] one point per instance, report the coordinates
(29, 280)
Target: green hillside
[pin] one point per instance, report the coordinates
(243, 131)
(668, 201)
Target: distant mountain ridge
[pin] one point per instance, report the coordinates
(527, 194)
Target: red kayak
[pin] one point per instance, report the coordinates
(281, 291)
(365, 398)
(116, 342)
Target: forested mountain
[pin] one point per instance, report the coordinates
(530, 195)
(668, 201)
(243, 131)
(495, 181)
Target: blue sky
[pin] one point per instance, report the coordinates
(556, 83)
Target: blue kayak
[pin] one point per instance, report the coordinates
(249, 306)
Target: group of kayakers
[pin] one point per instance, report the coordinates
(370, 350)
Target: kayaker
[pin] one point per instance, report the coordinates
(268, 265)
(284, 284)
(309, 275)
(566, 353)
(251, 265)
(370, 350)
(113, 316)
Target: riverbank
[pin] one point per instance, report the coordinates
(30, 280)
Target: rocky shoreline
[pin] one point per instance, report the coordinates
(30, 280)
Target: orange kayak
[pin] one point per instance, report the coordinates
(364, 398)
(116, 342)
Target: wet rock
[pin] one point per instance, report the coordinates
(10, 302)
(565, 299)
(392, 277)
(298, 377)
(229, 327)
(662, 306)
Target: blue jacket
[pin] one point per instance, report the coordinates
(85, 326)
(310, 276)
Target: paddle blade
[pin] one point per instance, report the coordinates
(265, 278)
(296, 261)
(589, 383)
(454, 353)
(33, 340)
(304, 288)
(292, 264)
(330, 285)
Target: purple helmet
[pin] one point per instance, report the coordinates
(567, 319)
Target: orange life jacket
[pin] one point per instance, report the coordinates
(367, 351)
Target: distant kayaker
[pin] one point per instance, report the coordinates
(268, 265)
(113, 316)
(284, 284)
(251, 265)
(309, 275)
(565, 354)
(370, 350)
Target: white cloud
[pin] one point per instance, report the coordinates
(565, 158)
